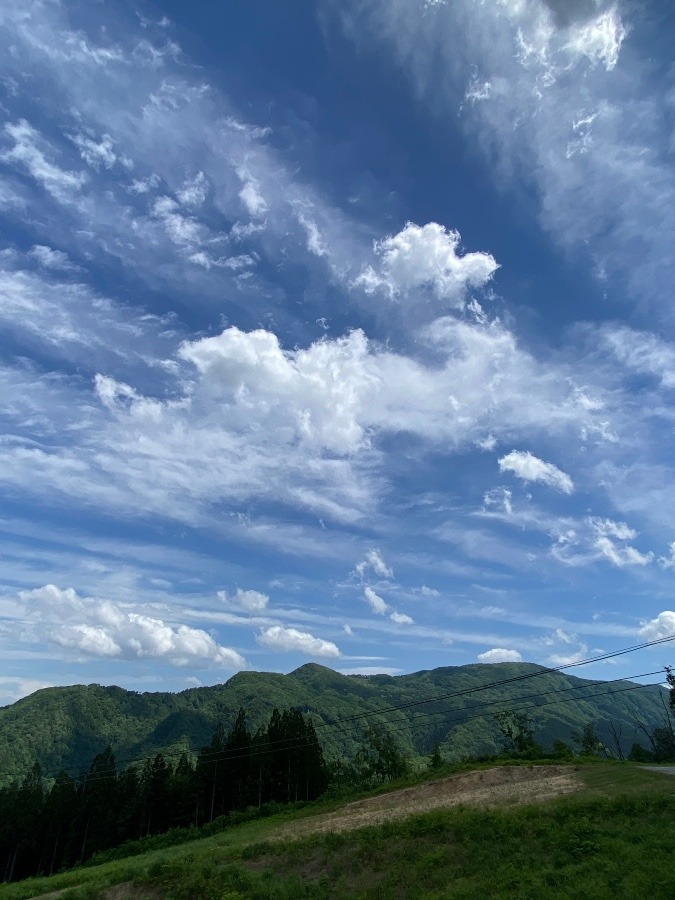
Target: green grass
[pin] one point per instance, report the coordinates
(615, 840)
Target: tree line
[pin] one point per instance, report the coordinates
(44, 830)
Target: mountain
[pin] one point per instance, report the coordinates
(65, 727)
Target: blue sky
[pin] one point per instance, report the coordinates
(338, 331)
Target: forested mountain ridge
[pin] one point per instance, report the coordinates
(64, 727)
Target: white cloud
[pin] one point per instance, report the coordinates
(376, 603)
(641, 351)
(547, 71)
(194, 191)
(98, 154)
(250, 194)
(661, 626)
(371, 670)
(498, 499)
(251, 601)
(499, 655)
(13, 688)
(401, 619)
(607, 533)
(561, 660)
(529, 468)
(32, 152)
(243, 418)
(595, 538)
(668, 562)
(290, 640)
(144, 185)
(315, 241)
(426, 257)
(487, 443)
(600, 39)
(184, 231)
(97, 628)
(49, 258)
(374, 560)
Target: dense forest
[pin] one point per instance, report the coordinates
(64, 728)
(45, 830)
(49, 824)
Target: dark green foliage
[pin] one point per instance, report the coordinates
(588, 740)
(561, 750)
(436, 758)
(48, 824)
(379, 758)
(517, 731)
(64, 728)
(639, 754)
(43, 832)
(614, 841)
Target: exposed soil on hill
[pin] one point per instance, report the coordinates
(501, 786)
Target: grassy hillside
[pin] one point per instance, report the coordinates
(612, 838)
(66, 727)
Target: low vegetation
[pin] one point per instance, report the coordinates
(65, 728)
(613, 839)
(243, 819)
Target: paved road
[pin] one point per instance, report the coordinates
(666, 770)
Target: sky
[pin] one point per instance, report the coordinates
(335, 332)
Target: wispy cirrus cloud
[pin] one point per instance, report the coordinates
(206, 342)
(559, 100)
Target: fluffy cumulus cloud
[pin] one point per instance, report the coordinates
(662, 626)
(529, 468)
(426, 258)
(254, 425)
(250, 601)
(314, 390)
(374, 601)
(91, 627)
(499, 655)
(248, 418)
(290, 640)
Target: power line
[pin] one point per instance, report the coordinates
(289, 744)
(452, 695)
(524, 677)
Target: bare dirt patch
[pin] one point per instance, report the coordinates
(130, 891)
(501, 786)
(126, 891)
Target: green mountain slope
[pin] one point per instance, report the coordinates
(65, 727)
